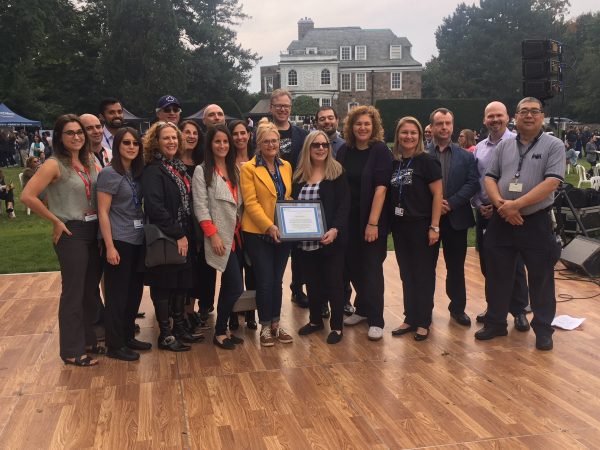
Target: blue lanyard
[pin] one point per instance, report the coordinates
(136, 201)
(400, 169)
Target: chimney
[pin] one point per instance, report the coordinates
(304, 26)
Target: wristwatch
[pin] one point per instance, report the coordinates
(436, 229)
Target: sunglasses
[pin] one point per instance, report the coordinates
(128, 142)
(172, 109)
(317, 145)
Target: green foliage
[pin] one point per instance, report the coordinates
(305, 105)
(468, 113)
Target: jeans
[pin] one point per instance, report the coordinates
(231, 288)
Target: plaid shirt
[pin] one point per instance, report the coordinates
(309, 192)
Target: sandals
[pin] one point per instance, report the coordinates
(85, 361)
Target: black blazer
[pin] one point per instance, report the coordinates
(461, 185)
(335, 197)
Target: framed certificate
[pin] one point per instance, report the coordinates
(299, 220)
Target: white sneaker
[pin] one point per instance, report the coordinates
(354, 319)
(375, 333)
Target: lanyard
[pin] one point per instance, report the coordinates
(400, 169)
(522, 156)
(87, 182)
(136, 201)
(183, 178)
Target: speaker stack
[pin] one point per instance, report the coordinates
(582, 254)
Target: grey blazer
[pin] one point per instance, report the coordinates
(216, 203)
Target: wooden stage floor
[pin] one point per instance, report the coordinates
(450, 390)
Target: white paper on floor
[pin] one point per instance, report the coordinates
(566, 322)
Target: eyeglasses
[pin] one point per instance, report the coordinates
(282, 107)
(93, 127)
(71, 133)
(533, 112)
(317, 145)
(270, 142)
(128, 142)
(172, 109)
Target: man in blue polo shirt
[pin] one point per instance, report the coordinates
(520, 182)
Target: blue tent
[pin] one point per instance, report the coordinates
(9, 118)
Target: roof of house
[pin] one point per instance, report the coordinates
(378, 43)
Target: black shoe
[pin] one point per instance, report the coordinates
(461, 319)
(252, 324)
(489, 332)
(227, 344)
(481, 317)
(172, 344)
(300, 299)
(123, 353)
(400, 331)
(334, 337)
(309, 328)
(544, 343)
(140, 315)
(521, 322)
(349, 309)
(325, 311)
(134, 344)
(234, 322)
(236, 340)
(422, 337)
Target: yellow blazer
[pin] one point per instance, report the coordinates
(260, 196)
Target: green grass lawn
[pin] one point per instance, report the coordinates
(26, 242)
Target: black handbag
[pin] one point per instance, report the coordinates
(160, 248)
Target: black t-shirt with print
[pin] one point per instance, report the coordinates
(409, 187)
(285, 143)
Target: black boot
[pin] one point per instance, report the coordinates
(166, 340)
(179, 329)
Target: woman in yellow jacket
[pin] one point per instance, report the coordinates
(265, 179)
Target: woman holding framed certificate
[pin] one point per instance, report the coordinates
(319, 177)
(368, 164)
(265, 179)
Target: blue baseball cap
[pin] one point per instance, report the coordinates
(167, 100)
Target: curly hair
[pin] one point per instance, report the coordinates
(151, 140)
(352, 117)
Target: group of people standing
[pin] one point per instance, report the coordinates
(215, 196)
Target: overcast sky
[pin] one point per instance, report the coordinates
(273, 23)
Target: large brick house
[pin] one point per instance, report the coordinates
(345, 66)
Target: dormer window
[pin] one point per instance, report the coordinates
(345, 53)
(360, 52)
(311, 50)
(395, 52)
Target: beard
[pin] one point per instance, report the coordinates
(115, 123)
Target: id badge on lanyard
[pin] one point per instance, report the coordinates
(91, 214)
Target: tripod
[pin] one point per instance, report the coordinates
(558, 201)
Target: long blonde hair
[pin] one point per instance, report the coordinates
(420, 147)
(303, 173)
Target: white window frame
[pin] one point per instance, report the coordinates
(357, 85)
(346, 47)
(312, 50)
(360, 52)
(288, 77)
(325, 101)
(267, 78)
(328, 77)
(352, 105)
(349, 75)
(392, 81)
(395, 52)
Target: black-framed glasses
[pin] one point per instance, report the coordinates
(172, 109)
(534, 112)
(128, 142)
(73, 133)
(317, 145)
(282, 107)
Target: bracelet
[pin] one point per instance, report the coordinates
(373, 224)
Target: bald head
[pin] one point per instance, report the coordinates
(495, 118)
(93, 129)
(213, 114)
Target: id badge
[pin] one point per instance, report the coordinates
(138, 223)
(399, 211)
(515, 187)
(90, 216)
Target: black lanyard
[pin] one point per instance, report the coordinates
(522, 156)
(400, 169)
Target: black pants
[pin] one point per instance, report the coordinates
(535, 242)
(123, 286)
(455, 253)
(232, 287)
(364, 263)
(417, 260)
(520, 294)
(79, 258)
(8, 197)
(298, 275)
(205, 282)
(324, 282)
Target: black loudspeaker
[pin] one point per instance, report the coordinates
(582, 255)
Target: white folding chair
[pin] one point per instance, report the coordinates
(595, 182)
(21, 181)
(580, 170)
(596, 170)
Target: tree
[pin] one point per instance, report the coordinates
(305, 105)
(480, 47)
